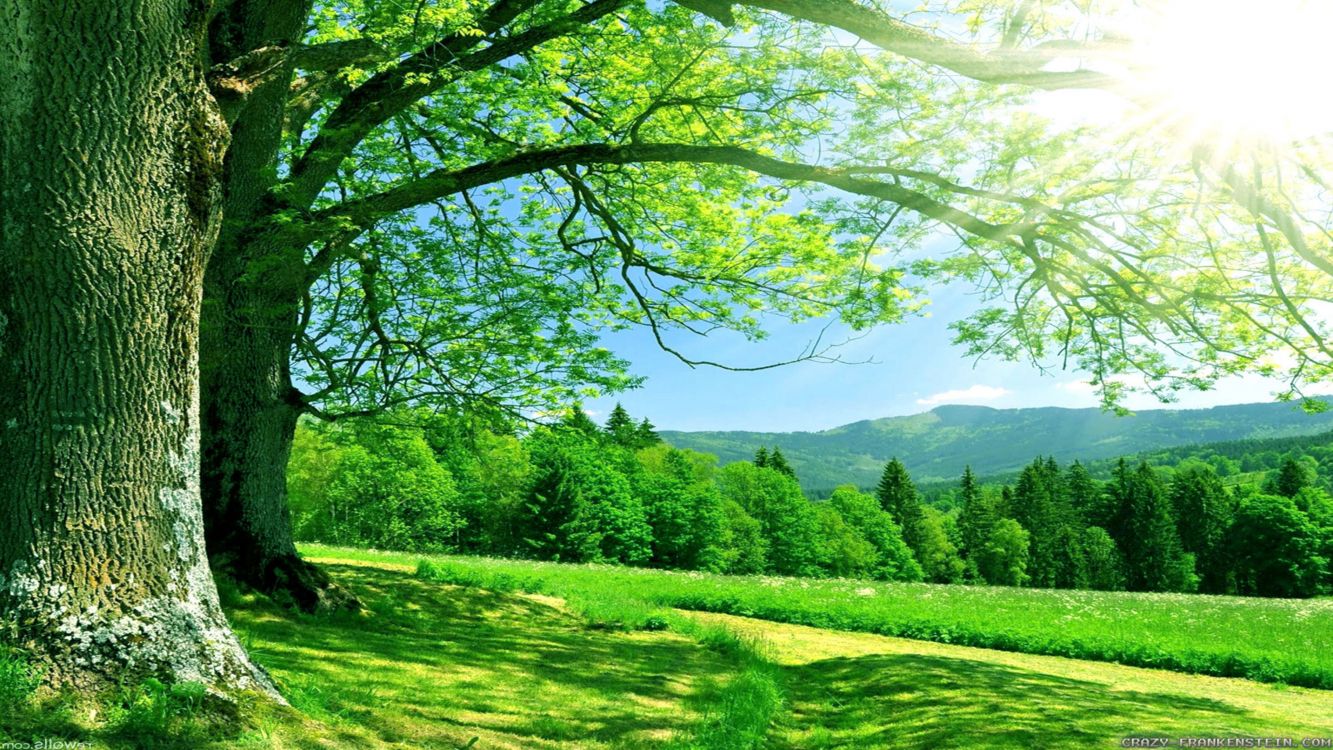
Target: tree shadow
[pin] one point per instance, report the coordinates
(914, 701)
(431, 664)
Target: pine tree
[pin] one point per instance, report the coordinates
(1086, 498)
(898, 497)
(1203, 510)
(645, 435)
(577, 420)
(621, 428)
(761, 457)
(976, 518)
(1294, 476)
(778, 462)
(1154, 558)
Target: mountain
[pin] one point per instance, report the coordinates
(937, 445)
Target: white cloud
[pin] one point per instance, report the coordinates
(971, 394)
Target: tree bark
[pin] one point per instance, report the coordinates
(252, 296)
(110, 164)
(249, 424)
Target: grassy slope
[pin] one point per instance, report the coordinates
(433, 666)
(1276, 640)
(861, 690)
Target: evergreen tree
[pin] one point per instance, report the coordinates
(1086, 499)
(576, 420)
(976, 517)
(1040, 503)
(761, 457)
(1293, 476)
(1203, 511)
(778, 462)
(1155, 560)
(621, 428)
(898, 497)
(645, 435)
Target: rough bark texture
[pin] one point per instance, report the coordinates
(253, 292)
(110, 159)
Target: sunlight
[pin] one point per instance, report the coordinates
(1237, 73)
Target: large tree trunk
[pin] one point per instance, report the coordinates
(249, 424)
(253, 291)
(110, 158)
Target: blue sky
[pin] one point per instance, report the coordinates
(915, 368)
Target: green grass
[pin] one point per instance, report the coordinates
(1260, 639)
(431, 665)
(854, 690)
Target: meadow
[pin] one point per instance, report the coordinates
(1268, 640)
(443, 666)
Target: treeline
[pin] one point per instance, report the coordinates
(578, 491)
(1060, 528)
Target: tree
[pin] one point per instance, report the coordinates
(938, 556)
(1003, 561)
(1086, 498)
(1038, 504)
(577, 421)
(580, 508)
(1275, 548)
(894, 559)
(745, 551)
(688, 523)
(1293, 476)
(385, 489)
(1103, 562)
(843, 549)
(645, 434)
(1154, 558)
(761, 457)
(976, 517)
(790, 527)
(898, 497)
(778, 462)
(359, 183)
(620, 427)
(110, 167)
(1203, 509)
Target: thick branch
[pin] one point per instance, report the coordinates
(368, 210)
(1004, 65)
(436, 66)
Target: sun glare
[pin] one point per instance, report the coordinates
(1238, 71)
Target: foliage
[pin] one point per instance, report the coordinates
(1004, 559)
(894, 560)
(1276, 549)
(372, 484)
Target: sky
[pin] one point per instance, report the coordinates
(914, 367)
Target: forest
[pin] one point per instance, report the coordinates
(576, 491)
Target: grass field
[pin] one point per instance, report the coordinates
(441, 666)
(1268, 640)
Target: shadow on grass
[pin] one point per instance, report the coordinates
(434, 665)
(914, 701)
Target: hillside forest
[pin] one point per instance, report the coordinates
(1246, 517)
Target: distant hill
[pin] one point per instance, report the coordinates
(937, 445)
